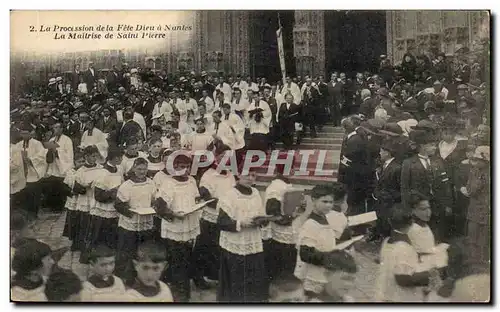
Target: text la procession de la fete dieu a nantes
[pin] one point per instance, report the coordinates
(122, 31)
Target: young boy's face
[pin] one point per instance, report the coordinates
(132, 149)
(323, 205)
(91, 159)
(104, 266)
(156, 147)
(149, 272)
(423, 210)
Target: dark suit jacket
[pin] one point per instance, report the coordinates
(90, 79)
(113, 80)
(334, 92)
(107, 127)
(273, 106)
(312, 99)
(354, 167)
(388, 188)
(415, 177)
(452, 162)
(145, 108)
(128, 130)
(367, 107)
(287, 123)
(75, 80)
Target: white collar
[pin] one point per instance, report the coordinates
(387, 162)
(351, 134)
(423, 157)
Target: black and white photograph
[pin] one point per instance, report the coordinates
(250, 156)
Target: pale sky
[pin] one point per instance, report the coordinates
(22, 39)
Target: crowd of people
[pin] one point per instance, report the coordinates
(416, 151)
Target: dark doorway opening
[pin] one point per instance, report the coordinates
(264, 59)
(354, 40)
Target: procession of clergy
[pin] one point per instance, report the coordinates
(415, 151)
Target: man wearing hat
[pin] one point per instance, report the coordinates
(90, 76)
(207, 84)
(107, 123)
(426, 173)
(388, 186)
(353, 166)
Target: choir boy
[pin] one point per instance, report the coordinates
(103, 216)
(401, 275)
(243, 275)
(283, 253)
(149, 263)
(213, 184)
(34, 162)
(134, 228)
(63, 286)
(316, 241)
(72, 215)
(155, 161)
(132, 152)
(180, 226)
(83, 188)
(102, 285)
(31, 262)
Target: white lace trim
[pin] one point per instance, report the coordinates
(284, 234)
(70, 203)
(210, 215)
(246, 242)
(180, 236)
(103, 212)
(137, 223)
(267, 232)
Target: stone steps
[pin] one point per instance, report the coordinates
(329, 140)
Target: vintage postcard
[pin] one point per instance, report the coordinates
(250, 156)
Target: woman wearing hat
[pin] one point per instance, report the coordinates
(478, 229)
(452, 151)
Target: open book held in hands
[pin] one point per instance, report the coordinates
(196, 207)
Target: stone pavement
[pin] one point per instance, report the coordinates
(49, 227)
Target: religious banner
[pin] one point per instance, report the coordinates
(281, 53)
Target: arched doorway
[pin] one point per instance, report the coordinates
(264, 60)
(354, 40)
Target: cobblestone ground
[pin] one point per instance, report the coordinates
(49, 227)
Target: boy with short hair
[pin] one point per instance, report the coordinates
(63, 286)
(401, 276)
(316, 243)
(149, 262)
(102, 285)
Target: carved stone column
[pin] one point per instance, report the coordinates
(309, 42)
(227, 46)
(388, 24)
(198, 41)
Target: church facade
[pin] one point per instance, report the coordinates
(319, 42)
